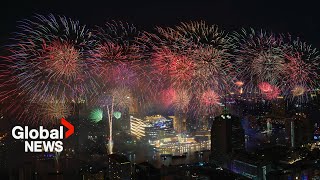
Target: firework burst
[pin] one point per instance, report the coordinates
(302, 69)
(53, 110)
(117, 52)
(178, 99)
(49, 59)
(210, 98)
(259, 57)
(96, 115)
(269, 91)
(203, 34)
(122, 97)
(212, 69)
(120, 60)
(206, 103)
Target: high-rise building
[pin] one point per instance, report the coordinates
(298, 130)
(221, 138)
(137, 127)
(227, 135)
(238, 135)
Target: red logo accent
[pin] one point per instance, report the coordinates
(70, 127)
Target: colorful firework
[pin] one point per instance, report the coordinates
(302, 69)
(55, 110)
(47, 112)
(178, 99)
(63, 59)
(96, 115)
(181, 100)
(49, 59)
(167, 97)
(205, 103)
(212, 69)
(120, 61)
(122, 97)
(259, 57)
(117, 114)
(117, 54)
(57, 58)
(192, 55)
(239, 83)
(210, 98)
(177, 69)
(203, 34)
(210, 53)
(298, 91)
(265, 87)
(269, 91)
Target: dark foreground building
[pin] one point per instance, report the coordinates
(227, 136)
(119, 167)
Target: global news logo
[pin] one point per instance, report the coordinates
(36, 140)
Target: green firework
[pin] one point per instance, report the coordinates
(96, 115)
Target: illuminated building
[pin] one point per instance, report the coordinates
(152, 133)
(250, 166)
(159, 121)
(119, 167)
(137, 127)
(155, 133)
(202, 136)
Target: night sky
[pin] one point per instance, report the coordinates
(281, 17)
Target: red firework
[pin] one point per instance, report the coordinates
(62, 58)
(239, 83)
(181, 68)
(210, 98)
(167, 97)
(176, 68)
(269, 91)
(265, 87)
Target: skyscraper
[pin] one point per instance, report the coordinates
(227, 135)
(298, 130)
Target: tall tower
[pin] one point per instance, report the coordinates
(298, 130)
(227, 135)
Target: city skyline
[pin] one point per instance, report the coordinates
(161, 90)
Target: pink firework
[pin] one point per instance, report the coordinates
(259, 57)
(181, 68)
(167, 97)
(178, 99)
(302, 69)
(265, 87)
(239, 83)
(210, 98)
(174, 68)
(269, 91)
